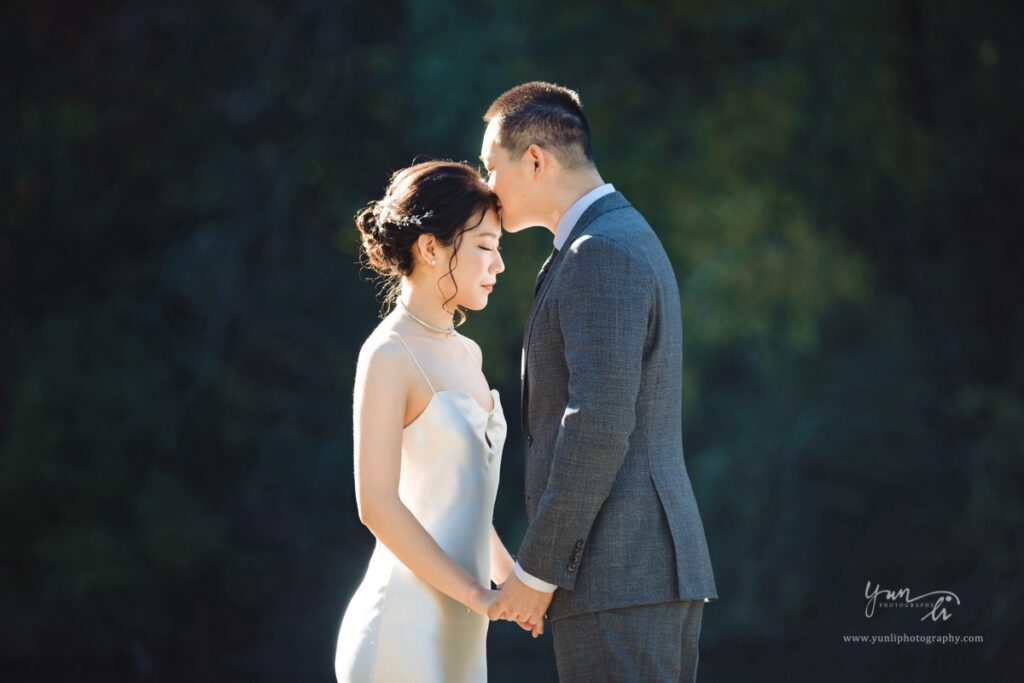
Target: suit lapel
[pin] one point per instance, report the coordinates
(607, 203)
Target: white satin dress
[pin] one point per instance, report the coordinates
(397, 628)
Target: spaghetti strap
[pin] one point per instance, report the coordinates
(413, 356)
(465, 346)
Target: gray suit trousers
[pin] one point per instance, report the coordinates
(655, 643)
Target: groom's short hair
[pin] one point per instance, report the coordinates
(545, 114)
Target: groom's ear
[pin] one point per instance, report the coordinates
(537, 157)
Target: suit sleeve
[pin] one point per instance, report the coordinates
(604, 297)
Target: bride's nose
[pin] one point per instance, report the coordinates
(498, 264)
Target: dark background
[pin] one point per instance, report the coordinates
(837, 184)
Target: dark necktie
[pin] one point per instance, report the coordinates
(544, 271)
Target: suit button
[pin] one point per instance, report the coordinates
(579, 544)
(529, 440)
(572, 566)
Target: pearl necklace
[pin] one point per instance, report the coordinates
(450, 330)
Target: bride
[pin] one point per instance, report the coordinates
(428, 437)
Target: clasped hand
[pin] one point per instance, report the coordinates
(515, 601)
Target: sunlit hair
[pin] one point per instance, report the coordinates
(544, 114)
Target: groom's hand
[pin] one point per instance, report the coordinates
(494, 614)
(522, 604)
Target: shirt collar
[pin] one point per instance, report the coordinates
(568, 220)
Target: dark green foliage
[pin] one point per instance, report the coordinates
(836, 183)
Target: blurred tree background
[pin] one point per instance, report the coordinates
(836, 183)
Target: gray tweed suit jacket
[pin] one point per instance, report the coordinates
(613, 520)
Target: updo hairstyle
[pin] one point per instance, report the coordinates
(439, 198)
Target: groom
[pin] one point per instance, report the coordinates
(615, 553)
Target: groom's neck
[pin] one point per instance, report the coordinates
(569, 189)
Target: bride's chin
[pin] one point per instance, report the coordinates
(475, 305)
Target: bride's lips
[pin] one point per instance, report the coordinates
(489, 288)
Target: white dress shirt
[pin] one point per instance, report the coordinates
(565, 225)
(569, 219)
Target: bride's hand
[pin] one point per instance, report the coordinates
(481, 600)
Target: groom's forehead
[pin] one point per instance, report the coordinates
(490, 143)
(492, 153)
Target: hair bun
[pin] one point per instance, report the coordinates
(378, 245)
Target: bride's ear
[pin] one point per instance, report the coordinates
(427, 248)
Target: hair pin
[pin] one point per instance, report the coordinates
(412, 219)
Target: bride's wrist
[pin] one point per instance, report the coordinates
(473, 595)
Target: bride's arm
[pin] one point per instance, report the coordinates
(502, 563)
(378, 417)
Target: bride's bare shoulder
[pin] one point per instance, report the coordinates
(474, 348)
(383, 349)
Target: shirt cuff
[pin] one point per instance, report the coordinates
(533, 582)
